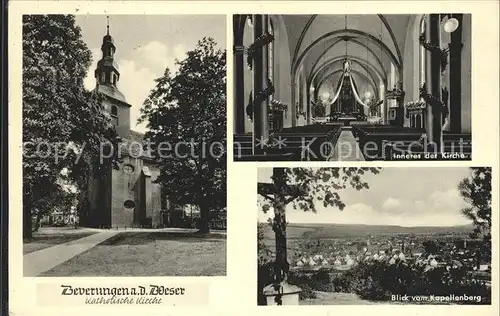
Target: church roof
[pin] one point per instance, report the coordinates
(130, 146)
(111, 92)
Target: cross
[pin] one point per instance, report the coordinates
(107, 25)
(282, 194)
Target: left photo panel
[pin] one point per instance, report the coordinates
(124, 137)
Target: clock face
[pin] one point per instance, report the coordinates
(128, 169)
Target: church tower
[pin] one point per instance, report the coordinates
(107, 77)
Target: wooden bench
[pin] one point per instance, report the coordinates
(301, 143)
(372, 139)
(455, 147)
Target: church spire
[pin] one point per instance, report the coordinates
(107, 72)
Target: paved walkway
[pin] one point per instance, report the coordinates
(347, 148)
(43, 260)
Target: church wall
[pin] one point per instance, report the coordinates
(123, 185)
(154, 203)
(466, 73)
(139, 188)
(123, 127)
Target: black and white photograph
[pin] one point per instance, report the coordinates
(369, 235)
(355, 87)
(124, 136)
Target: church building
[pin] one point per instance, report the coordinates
(127, 197)
(391, 87)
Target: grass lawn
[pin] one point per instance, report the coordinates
(150, 254)
(48, 237)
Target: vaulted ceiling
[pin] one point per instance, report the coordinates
(320, 42)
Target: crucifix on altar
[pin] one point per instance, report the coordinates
(280, 194)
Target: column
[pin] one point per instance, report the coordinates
(380, 110)
(392, 103)
(261, 118)
(435, 80)
(239, 87)
(455, 70)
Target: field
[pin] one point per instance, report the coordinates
(315, 231)
(150, 254)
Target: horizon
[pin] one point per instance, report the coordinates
(374, 225)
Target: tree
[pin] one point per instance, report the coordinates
(304, 188)
(64, 125)
(187, 113)
(476, 191)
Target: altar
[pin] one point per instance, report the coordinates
(346, 120)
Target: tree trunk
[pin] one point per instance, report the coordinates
(27, 225)
(279, 226)
(204, 219)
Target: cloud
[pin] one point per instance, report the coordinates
(441, 208)
(138, 73)
(391, 204)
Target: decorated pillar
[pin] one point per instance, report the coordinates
(435, 78)
(239, 83)
(262, 86)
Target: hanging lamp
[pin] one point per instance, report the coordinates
(451, 25)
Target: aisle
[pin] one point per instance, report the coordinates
(347, 148)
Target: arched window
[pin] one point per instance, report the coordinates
(114, 115)
(270, 54)
(422, 52)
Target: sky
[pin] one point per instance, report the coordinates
(397, 196)
(145, 46)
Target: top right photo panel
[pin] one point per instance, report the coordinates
(363, 87)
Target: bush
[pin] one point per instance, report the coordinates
(379, 280)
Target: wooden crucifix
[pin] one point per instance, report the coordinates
(280, 194)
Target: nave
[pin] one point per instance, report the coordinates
(352, 87)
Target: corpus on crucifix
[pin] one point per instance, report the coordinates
(305, 189)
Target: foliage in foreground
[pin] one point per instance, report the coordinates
(186, 113)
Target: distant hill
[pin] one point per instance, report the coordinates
(296, 230)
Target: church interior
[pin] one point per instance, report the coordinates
(352, 87)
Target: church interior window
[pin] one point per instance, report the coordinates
(108, 77)
(114, 79)
(422, 52)
(270, 64)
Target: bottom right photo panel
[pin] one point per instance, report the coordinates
(366, 235)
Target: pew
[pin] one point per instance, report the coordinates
(455, 147)
(373, 139)
(289, 144)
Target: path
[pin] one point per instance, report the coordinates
(43, 260)
(347, 148)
